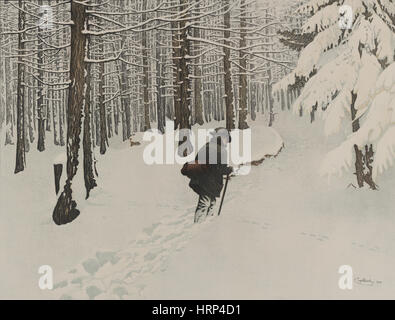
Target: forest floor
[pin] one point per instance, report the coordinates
(283, 232)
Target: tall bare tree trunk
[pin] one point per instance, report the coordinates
(144, 48)
(197, 92)
(3, 101)
(40, 100)
(125, 97)
(8, 99)
(30, 112)
(282, 101)
(230, 116)
(176, 53)
(102, 111)
(20, 105)
(270, 98)
(66, 208)
(160, 99)
(185, 82)
(9, 106)
(87, 145)
(89, 177)
(243, 70)
(64, 100)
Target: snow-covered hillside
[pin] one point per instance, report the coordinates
(131, 198)
(283, 231)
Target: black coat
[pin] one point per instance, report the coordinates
(210, 183)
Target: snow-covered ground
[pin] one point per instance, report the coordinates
(283, 231)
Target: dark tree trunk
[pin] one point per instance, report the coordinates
(61, 122)
(144, 48)
(66, 208)
(185, 87)
(54, 118)
(230, 117)
(253, 100)
(243, 70)
(368, 160)
(270, 98)
(358, 153)
(282, 101)
(64, 101)
(109, 120)
(20, 105)
(30, 112)
(289, 99)
(115, 111)
(363, 160)
(89, 177)
(198, 95)
(197, 92)
(359, 166)
(176, 53)
(40, 100)
(48, 115)
(125, 97)
(102, 112)
(160, 100)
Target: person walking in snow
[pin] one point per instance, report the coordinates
(207, 172)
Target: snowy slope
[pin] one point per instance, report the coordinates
(133, 203)
(283, 232)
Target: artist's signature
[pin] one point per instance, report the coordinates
(367, 282)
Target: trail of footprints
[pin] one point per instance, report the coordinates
(314, 236)
(121, 274)
(322, 238)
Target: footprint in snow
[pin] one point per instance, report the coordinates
(144, 256)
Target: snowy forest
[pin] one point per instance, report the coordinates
(82, 80)
(88, 71)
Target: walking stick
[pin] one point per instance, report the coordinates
(223, 194)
